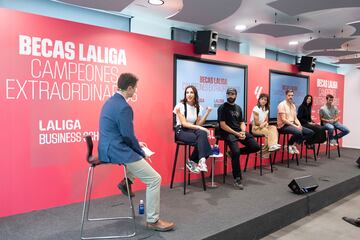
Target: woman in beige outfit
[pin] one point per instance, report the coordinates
(260, 124)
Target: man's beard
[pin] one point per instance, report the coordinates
(231, 100)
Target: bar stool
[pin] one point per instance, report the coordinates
(327, 148)
(259, 139)
(286, 137)
(306, 152)
(327, 151)
(94, 162)
(187, 149)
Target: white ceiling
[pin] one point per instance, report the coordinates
(328, 23)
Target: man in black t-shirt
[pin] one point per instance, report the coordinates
(232, 129)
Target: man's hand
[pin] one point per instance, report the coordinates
(298, 127)
(242, 135)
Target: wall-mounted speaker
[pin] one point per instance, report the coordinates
(307, 64)
(358, 162)
(303, 184)
(206, 42)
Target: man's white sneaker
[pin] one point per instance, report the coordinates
(333, 142)
(202, 166)
(295, 149)
(291, 150)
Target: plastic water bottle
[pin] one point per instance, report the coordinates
(141, 207)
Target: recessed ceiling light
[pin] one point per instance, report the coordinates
(292, 43)
(240, 27)
(156, 2)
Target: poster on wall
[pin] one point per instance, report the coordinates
(323, 88)
(53, 83)
(279, 83)
(211, 79)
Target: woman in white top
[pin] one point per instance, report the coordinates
(189, 121)
(260, 123)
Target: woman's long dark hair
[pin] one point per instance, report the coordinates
(304, 103)
(196, 98)
(267, 105)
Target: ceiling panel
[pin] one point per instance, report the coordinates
(325, 43)
(332, 53)
(356, 25)
(277, 30)
(107, 5)
(206, 12)
(296, 7)
(348, 61)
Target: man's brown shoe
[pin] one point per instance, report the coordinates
(161, 225)
(123, 188)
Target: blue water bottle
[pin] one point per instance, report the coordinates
(141, 207)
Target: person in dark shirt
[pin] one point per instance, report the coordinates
(232, 129)
(304, 116)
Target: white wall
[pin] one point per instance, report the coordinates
(352, 108)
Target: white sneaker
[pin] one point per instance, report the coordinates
(191, 165)
(274, 148)
(202, 166)
(333, 142)
(291, 150)
(295, 149)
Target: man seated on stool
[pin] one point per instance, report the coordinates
(288, 123)
(118, 145)
(232, 129)
(329, 115)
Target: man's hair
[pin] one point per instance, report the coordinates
(329, 96)
(288, 90)
(125, 80)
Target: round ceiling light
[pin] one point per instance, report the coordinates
(156, 2)
(240, 27)
(292, 43)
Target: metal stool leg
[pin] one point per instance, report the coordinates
(86, 208)
(174, 166)
(261, 156)
(184, 169)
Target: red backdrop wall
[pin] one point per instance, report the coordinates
(55, 75)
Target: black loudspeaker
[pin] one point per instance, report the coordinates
(358, 162)
(307, 64)
(206, 42)
(303, 184)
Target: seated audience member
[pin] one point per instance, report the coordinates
(304, 116)
(119, 145)
(329, 115)
(232, 129)
(288, 123)
(260, 124)
(189, 121)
